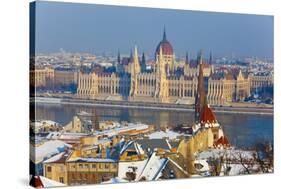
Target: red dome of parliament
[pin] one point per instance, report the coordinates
(167, 48)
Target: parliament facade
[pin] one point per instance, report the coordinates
(165, 81)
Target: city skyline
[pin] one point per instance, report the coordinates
(58, 26)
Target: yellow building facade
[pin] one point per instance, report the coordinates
(40, 77)
(161, 84)
(65, 77)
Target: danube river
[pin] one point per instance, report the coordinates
(243, 130)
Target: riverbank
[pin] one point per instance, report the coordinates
(258, 110)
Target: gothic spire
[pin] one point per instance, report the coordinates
(211, 58)
(201, 98)
(136, 57)
(186, 58)
(143, 58)
(164, 34)
(118, 57)
(143, 64)
(131, 56)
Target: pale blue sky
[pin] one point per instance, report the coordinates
(98, 28)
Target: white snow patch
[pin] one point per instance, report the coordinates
(127, 167)
(50, 183)
(47, 150)
(115, 180)
(161, 134)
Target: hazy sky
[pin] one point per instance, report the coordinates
(97, 28)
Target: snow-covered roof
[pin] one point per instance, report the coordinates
(148, 169)
(40, 123)
(65, 135)
(126, 166)
(54, 158)
(59, 158)
(115, 180)
(161, 134)
(132, 145)
(102, 160)
(117, 130)
(50, 183)
(177, 165)
(47, 150)
(230, 153)
(153, 168)
(153, 144)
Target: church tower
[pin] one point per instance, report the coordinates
(201, 98)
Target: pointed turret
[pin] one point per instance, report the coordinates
(143, 57)
(118, 57)
(136, 61)
(211, 64)
(143, 63)
(164, 34)
(186, 58)
(136, 56)
(131, 56)
(211, 58)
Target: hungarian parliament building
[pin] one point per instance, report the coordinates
(163, 83)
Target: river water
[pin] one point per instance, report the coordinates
(243, 130)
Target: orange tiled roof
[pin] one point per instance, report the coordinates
(222, 141)
(207, 115)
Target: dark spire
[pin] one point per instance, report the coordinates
(186, 58)
(199, 58)
(131, 56)
(164, 34)
(143, 58)
(211, 58)
(201, 98)
(118, 57)
(143, 64)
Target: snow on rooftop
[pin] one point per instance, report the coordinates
(115, 180)
(65, 135)
(150, 169)
(40, 123)
(125, 167)
(47, 150)
(161, 134)
(153, 168)
(102, 160)
(54, 158)
(230, 153)
(117, 130)
(133, 144)
(177, 165)
(50, 183)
